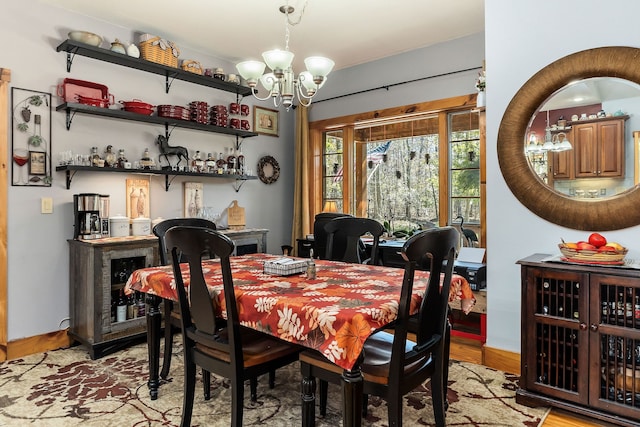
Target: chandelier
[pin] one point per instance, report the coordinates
(281, 83)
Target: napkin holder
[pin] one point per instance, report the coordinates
(285, 266)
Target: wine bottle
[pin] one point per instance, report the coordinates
(241, 161)
(121, 308)
(231, 161)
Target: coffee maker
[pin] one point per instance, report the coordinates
(86, 209)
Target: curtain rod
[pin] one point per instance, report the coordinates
(398, 84)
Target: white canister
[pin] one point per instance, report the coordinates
(119, 226)
(141, 226)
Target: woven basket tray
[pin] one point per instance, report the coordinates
(160, 51)
(584, 255)
(192, 66)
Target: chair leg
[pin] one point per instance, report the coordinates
(394, 410)
(308, 401)
(324, 387)
(253, 386)
(272, 378)
(168, 339)
(365, 404)
(206, 384)
(237, 397)
(438, 399)
(189, 390)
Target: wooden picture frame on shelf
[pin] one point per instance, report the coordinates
(193, 199)
(137, 196)
(265, 121)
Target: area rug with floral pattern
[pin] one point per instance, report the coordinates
(67, 388)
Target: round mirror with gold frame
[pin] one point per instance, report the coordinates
(616, 212)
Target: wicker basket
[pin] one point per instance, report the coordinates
(192, 66)
(594, 257)
(160, 51)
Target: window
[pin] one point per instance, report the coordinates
(408, 171)
(464, 171)
(332, 160)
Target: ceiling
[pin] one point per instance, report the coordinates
(350, 32)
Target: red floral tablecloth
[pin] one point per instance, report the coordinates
(333, 313)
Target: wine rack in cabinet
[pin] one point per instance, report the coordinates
(581, 339)
(98, 273)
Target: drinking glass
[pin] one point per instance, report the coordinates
(20, 157)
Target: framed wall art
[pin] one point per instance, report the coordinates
(265, 121)
(138, 198)
(30, 138)
(193, 199)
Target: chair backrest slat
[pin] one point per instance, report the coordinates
(198, 313)
(433, 250)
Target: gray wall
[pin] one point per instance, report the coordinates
(38, 288)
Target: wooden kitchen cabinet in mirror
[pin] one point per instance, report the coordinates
(547, 182)
(599, 149)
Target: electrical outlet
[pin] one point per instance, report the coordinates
(46, 205)
(603, 191)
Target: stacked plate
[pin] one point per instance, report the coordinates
(198, 112)
(219, 116)
(173, 112)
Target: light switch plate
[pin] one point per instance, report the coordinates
(46, 205)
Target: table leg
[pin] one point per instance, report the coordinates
(352, 397)
(154, 326)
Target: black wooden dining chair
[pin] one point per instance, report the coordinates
(393, 365)
(171, 316)
(226, 349)
(344, 243)
(319, 233)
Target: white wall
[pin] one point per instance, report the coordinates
(522, 38)
(38, 288)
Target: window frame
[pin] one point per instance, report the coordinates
(351, 151)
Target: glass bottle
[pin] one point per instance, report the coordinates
(221, 163)
(231, 161)
(121, 308)
(95, 157)
(197, 164)
(241, 162)
(210, 164)
(109, 157)
(146, 162)
(121, 159)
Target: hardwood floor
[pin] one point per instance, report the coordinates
(471, 351)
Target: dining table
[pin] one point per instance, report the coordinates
(332, 312)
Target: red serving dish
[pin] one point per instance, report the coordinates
(137, 106)
(70, 89)
(95, 102)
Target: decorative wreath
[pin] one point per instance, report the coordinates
(268, 170)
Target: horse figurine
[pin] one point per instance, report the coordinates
(166, 150)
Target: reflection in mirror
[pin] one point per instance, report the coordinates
(614, 212)
(580, 140)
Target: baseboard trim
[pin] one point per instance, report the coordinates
(38, 344)
(502, 360)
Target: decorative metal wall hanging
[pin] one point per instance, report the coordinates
(31, 138)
